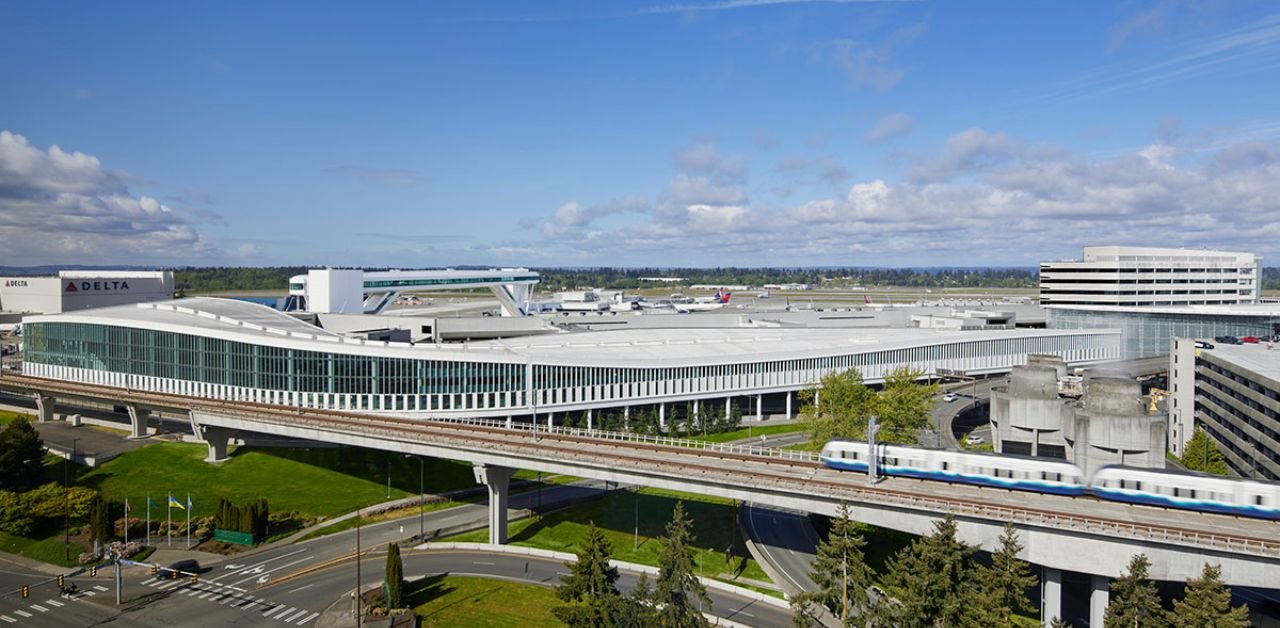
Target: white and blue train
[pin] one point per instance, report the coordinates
(1117, 483)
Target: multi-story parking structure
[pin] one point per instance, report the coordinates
(234, 350)
(1140, 276)
(1232, 392)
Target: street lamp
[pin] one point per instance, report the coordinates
(388, 477)
(66, 490)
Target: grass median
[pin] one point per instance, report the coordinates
(754, 433)
(461, 601)
(619, 513)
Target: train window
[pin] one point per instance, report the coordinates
(1193, 493)
(1177, 492)
(1137, 486)
(1124, 483)
(1257, 500)
(945, 465)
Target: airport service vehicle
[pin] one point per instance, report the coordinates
(1189, 491)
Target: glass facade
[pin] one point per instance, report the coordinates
(1149, 334)
(348, 377)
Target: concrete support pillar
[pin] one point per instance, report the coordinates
(788, 394)
(510, 422)
(75, 420)
(626, 418)
(662, 415)
(695, 412)
(137, 421)
(1099, 597)
(217, 438)
(759, 407)
(44, 408)
(551, 419)
(497, 479)
(591, 423)
(728, 406)
(1050, 595)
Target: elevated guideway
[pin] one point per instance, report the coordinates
(1058, 532)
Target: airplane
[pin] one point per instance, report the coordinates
(684, 305)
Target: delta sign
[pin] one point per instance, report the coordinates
(96, 286)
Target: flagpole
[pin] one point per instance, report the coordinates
(188, 519)
(148, 519)
(169, 508)
(126, 520)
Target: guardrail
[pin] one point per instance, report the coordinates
(836, 491)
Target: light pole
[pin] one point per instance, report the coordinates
(66, 491)
(388, 477)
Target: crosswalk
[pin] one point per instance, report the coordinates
(18, 614)
(238, 598)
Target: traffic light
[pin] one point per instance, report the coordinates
(60, 577)
(173, 574)
(155, 569)
(195, 579)
(26, 591)
(93, 571)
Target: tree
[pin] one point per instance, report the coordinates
(638, 607)
(1206, 603)
(935, 582)
(1058, 622)
(590, 589)
(903, 405)
(1202, 454)
(393, 584)
(838, 408)
(840, 572)
(677, 584)
(1007, 580)
(1134, 601)
(101, 524)
(21, 457)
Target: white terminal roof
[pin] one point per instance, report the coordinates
(1260, 358)
(253, 323)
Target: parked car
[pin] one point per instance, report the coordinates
(1253, 340)
(974, 439)
(1200, 344)
(1228, 340)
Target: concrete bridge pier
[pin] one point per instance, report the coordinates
(218, 439)
(788, 396)
(44, 408)
(137, 421)
(1051, 595)
(509, 422)
(498, 479)
(1099, 597)
(591, 425)
(626, 417)
(662, 416)
(759, 407)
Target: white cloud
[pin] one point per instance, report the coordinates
(981, 197)
(703, 157)
(57, 206)
(889, 127)
(871, 65)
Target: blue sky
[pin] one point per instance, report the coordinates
(635, 133)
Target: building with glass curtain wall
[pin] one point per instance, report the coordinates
(1148, 331)
(234, 350)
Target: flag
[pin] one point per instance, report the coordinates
(173, 503)
(189, 502)
(150, 502)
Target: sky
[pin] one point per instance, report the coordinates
(699, 133)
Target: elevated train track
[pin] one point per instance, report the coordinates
(779, 477)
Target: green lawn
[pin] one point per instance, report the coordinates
(753, 432)
(7, 416)
(319, 482)
(564, 530)
(459, 601)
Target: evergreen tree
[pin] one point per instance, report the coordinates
(1202, 454)
(1134, 601)
(1207, 604)
(591, 587)
(1008, 579)
(840, 572)
(101, 524)
(638, 607)
(21, 457)
(677, 584)
(935, 582)
(1058, 622)
(394, 581)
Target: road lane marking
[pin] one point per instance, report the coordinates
(297, 615)
(258, 566)
(8, 619)
(206, 594)
(477, 562)
(284, 610)
(100, 588)
(259, 574)
(90, 593)
(309, 618)
(40, 608)
(305, 586)
(22, 613)
(53, 602)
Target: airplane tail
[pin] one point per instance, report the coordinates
(866, 299)
(722, 296)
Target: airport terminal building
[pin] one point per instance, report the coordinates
(75, 290)
(223, 349)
